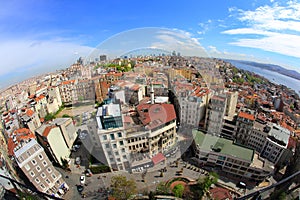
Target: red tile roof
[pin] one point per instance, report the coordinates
(158, 158)
(39, 98)
(154, 115)
(247, 116)
(29, 112)
(68, 82)
(19, 134)
(47, 131)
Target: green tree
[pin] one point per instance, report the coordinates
(49, 116)
(178, 190)
(162, 189)
(122, 188)
(66, 116)
(206, 183)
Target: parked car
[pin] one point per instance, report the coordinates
(76, 146)
(82, 179)
(80, 188)
(88, 172)
(77, 160)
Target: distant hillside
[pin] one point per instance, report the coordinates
(287, 72)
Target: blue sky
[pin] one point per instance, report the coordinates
(44, 35)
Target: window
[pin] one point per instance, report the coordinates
(43, 175)
(123, 150)
(104, 137)
(37, 180)
(119, 134)
(38, 168)
(112, 136)
(40, 156)
(27, 167)
(42, 186)
(49, 169)
(114, 146)
(44, 163)
(107, 146)
(33, 162)
(124, 157)
(21, 159)
(116, 153)
(47, 180)
(28, 153)
(32, 174)
(118, 160)
(53, 176)
(35, 148)
(121, 143)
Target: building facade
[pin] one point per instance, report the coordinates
(215, 114)
(223, 154)
(33, 161)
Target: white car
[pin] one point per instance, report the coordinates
(82, 180)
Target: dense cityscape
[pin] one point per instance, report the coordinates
(149, 127)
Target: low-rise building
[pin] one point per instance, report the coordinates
(231, 158)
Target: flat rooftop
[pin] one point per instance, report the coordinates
(222, 145)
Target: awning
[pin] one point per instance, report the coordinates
(158, 158)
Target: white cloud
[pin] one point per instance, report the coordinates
(277, 28)
(204, 26)
(180, 41)
(286, 44)
(38, 55)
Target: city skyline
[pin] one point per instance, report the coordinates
(39, 37)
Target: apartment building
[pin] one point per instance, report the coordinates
(67, 91)
(113, 136)
(232, 98)
(33, 161)
(215, 114)
(84, 90)
(135, 138)
(244, 126)
(223, 154)
(54, 99)
(276, 143)
(29, 119)
(193, 106)
(57, 138)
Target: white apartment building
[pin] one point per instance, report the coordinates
(275, 143)
(128, 143)
(193, 106)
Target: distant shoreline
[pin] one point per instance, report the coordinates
(274, 68)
